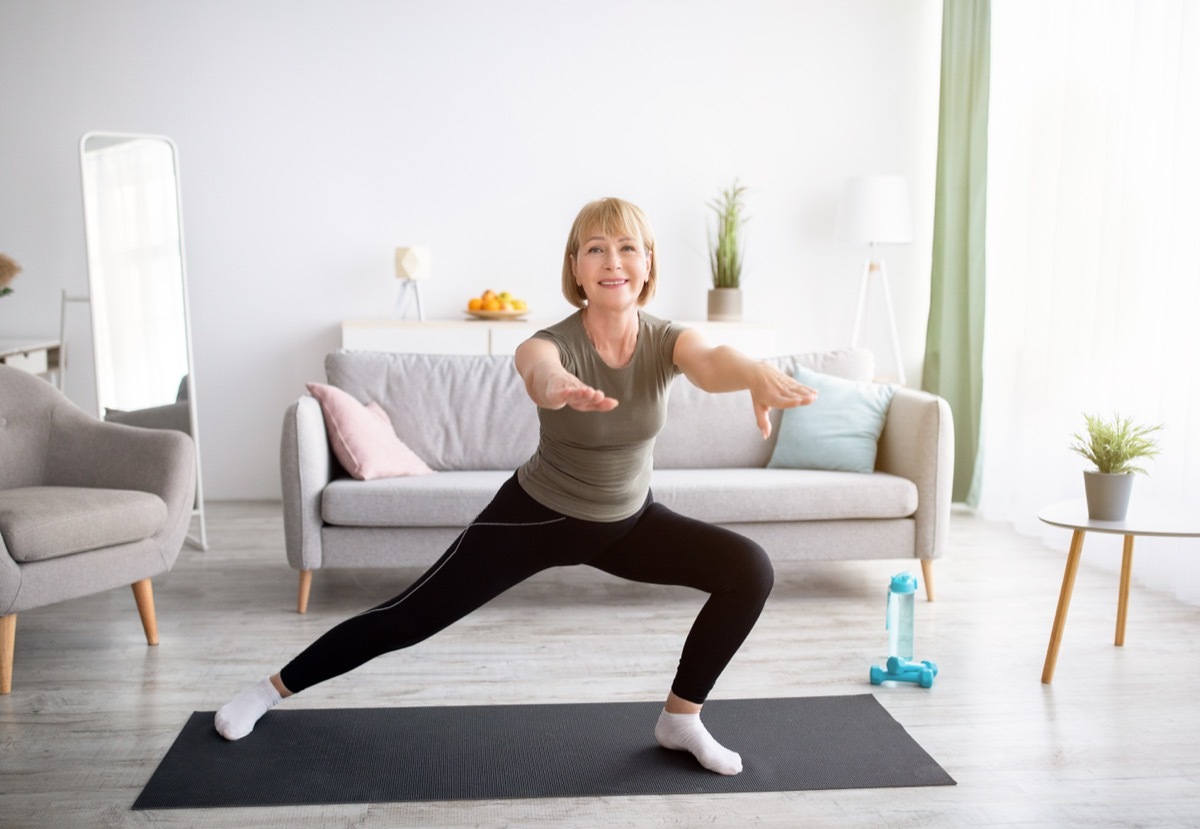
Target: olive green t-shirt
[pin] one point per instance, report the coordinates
(596, 465)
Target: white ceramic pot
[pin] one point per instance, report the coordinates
(725, 304)
(1107, 495)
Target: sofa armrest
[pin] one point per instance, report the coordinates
(918, 443)
(87, 452)
(306, 466)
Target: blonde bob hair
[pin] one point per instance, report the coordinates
(612, 217)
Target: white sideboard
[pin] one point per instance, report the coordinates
(503, 336)
(34, 355)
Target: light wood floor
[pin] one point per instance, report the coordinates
(1115, 741)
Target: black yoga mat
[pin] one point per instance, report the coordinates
(376, 755)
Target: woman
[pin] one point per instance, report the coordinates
(600, 380)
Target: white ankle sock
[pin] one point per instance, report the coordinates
(685, 732)
(237, 717)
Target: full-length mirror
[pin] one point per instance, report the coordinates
(138, 287)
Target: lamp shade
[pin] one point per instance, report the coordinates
(875, 210)
(413, 263)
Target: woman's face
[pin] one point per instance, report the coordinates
(612, 270)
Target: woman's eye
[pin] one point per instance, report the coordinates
(594, 250)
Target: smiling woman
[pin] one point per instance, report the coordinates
(600, 380)
(615, 229)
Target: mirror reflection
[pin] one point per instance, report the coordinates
(138, 285)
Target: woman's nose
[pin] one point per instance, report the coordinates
(612, 260)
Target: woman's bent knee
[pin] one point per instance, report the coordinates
(757, 574)
(766, 571)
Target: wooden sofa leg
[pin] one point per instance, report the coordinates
(8, 640)
(305, 586)
(143, 593)
(927, 572)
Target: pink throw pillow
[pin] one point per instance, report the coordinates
(362, 437)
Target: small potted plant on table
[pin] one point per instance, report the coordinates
(1113, 446)
(725, 256)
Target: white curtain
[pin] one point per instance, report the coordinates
(1093, 259)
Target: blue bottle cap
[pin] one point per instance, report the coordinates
(903, 583)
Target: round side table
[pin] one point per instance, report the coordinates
(1142, 519)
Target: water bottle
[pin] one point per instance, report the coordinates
(902, 594)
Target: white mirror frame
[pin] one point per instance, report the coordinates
(101, 348)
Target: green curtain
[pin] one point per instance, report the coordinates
(954, 337)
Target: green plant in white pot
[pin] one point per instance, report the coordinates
(1113, 446)
(725, 255)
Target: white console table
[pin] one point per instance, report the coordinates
(36, 356)
(503, 336)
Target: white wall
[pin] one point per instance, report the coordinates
(315, 137)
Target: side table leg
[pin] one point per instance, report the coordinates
(1123, 598)
(1064, 602)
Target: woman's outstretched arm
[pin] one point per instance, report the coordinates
(723, 369)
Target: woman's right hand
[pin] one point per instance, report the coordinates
(564, 389)
(551, 386)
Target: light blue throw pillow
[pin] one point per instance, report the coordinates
(840, 431)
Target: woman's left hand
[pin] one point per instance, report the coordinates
(772, 389)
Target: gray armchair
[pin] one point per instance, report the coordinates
(85, 506)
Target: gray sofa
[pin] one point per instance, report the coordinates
(470, 419)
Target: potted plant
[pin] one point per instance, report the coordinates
(8, 272)
(725, 256)
(1113, 446)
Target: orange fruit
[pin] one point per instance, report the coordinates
(488, 294)
(492, 304)
(475, 304)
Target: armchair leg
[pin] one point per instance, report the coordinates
(8, 639)
(143, 593)
(927, 572)
(305, 586)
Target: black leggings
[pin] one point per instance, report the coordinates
(515, 537)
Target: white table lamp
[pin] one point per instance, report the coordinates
(413, 264)
(876, 210)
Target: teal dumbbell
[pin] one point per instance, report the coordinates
(901, 670)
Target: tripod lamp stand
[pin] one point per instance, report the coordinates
(875, 210)
(412, 265)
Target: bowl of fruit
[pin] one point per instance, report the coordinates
(496, 306)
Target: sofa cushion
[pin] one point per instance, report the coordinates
(455, 412)
(362, 437)
(423, 396)
(454, 499)
(447, 499)
(724, 496)
(43, 522)
(840, 431)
